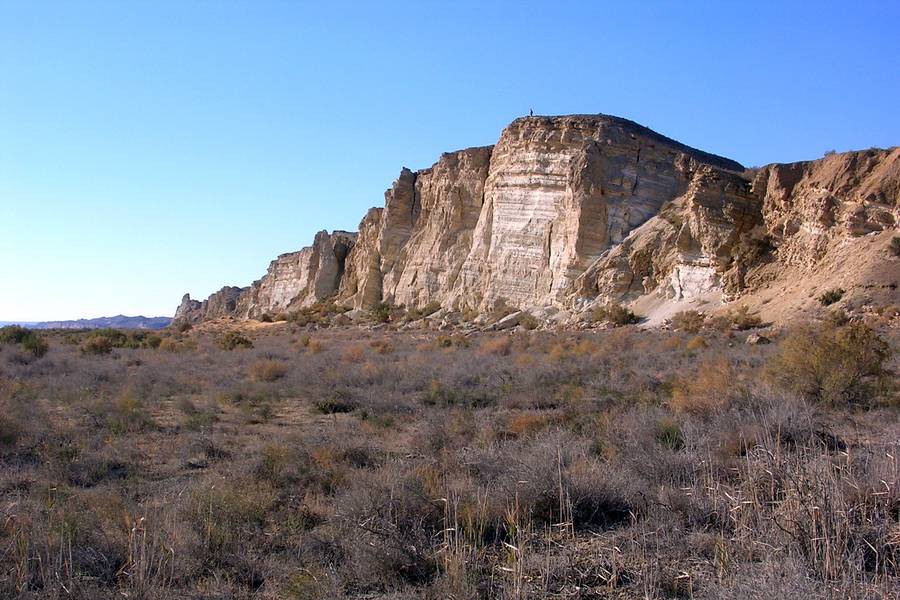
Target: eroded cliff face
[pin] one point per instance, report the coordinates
(300, 278)
(292, 280)
(569, 211)
(518, 222)
(729, 234)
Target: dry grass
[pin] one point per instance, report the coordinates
(390, 464)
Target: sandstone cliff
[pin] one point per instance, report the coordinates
(572, 211)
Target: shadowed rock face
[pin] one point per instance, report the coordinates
(575, 209)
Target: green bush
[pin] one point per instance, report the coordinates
(233, 339)
(381, 312)
(14, 334)
(28, 339)
(35, 344)
(97, 344)
(831, 296)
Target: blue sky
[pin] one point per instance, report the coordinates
(150, 149)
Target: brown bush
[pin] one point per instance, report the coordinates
(268, 369)
(709, 390)
(690, 321)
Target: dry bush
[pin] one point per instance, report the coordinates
(176, 345)
(354, 354)
(526, 423)
(268, 369)
(739, 319)
(97, 344)
(500, 345)
(615, 314)
(382, 346)
(831, 364)
(690, 321)
(696, 343)
(233, 340)
(710, 389)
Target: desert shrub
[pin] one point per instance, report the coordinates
(97, 344)
(268, 369)
(500, 345)
(266, 318)
(740, 319)
(36, 345)
(668, 433)
(225, 516)
(14, 334)
(615, 314)
(690, 321)
(182, 326)
(895, 245)
(831, 364)
(334, 403)
(529, 322)
(381, 312)
(233, 340)
(30, 341)
(382, 346)
(698, 342)
(831, 296)
(415, 313)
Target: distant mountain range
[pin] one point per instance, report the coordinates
(118, 321)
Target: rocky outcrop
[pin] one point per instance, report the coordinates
(292, 280)
(726, 230)
(568, 211)
(807, 205)
(299, 278)
(689, 250)
(520, 221)
(223, 303)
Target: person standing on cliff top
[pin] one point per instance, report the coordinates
(531, 112)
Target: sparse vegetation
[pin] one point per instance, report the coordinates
(831, 296)
(832, 364)
(690, 321)
(30, 341)
(348, 462)
(895, 245)
(233, 340)
(615, 314)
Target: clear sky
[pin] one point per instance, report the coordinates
(151, 149)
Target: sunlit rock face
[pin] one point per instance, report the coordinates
(559, 192)
(299, 279)
(807, 205)
(520, 221)
(567, 211)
